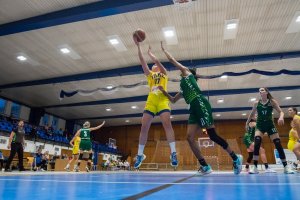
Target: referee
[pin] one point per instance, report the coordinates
(16, 143)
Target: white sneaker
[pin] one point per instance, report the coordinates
(3, 170)
(67, 169)
(288, 170)
(253, 170)
(269, 170)
(87, 169)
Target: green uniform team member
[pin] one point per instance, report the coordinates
(248, 140)
(86, 143)
(265, 124)
(200, 116)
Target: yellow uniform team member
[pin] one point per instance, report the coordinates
(75, 152)
(157, 104)
(294, 142)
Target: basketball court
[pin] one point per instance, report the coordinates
(66, 63)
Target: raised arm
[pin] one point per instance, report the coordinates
(252, 113)
(97, 127)
(278, 109)
(156, 61)
(172, 99)
(142, 60)
(184, 70)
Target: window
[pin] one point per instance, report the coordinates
(45, 120)
(15, 110)
(54, 123)
(2, 105)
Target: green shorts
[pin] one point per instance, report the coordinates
(85, 145)
(248, 140)
(200, 112)
(266, 127)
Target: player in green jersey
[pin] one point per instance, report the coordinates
(248, 140)
(265, 124)
(85, 145)
(200, 116)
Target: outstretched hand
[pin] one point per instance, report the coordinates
(162, 46)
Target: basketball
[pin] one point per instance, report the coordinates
(140, 35)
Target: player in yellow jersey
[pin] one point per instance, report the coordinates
(295, 131)
(75, 152)
(157, 104)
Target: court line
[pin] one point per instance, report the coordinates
(162, 187)
(152, 183)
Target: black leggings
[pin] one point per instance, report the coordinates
(15, 148)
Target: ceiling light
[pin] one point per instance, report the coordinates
(288, 98)
(108, 109)
(218, 115)
(114, 41)
(252, 99)
(65, 50)
(134, 107)
(171, 117)
(21, 58)
(231, 26)
(244, 114)
(220, 101)
(298, 113)
(224, 76)
(298, 19)
(169, 33)
(109, 87)
(127, 120)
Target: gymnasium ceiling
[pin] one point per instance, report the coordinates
(266, 38)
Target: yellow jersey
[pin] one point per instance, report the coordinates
(156, 79)
(292, 139)
(76, 145)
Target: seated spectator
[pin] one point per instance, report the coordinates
(39, 162)
(33, 132)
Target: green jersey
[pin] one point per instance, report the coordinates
(85, 134)
(264, 112)
(189, 88)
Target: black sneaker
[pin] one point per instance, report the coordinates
(22, 169)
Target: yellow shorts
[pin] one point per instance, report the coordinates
(75, 151)
(291, 144)
(157, 104)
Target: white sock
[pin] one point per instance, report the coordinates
(172, 146)
(141, 149)
(68, 165)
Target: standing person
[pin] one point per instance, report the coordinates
(265, 124)
(248, 140)
(156, 104)
(75, 152)
(86, 143)
(294, 134)
(16, 143)
(200, 116)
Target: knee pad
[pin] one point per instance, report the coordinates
(91, 156)
(80, 156)
(217, 139)
(250, 157)
(257, 143)
(279, 148)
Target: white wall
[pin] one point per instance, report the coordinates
(24, 113)
(7, 110)
(61, 124)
